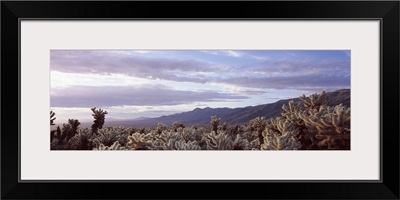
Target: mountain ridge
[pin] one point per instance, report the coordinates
(201, 116)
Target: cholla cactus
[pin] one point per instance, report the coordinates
(99, 119)
(291, 108)
(161, 127)
(122, 132)
(259, 124)
(65, 129)
(330, 125)
(191, 134)
(74, 127)
(109, 135)
(139, 141)
(315, 101)
(321, 127)
(224, 126)
(80, 141)
(55, 135)
(115, 146)
(177, 125)
(241, 143)
(52, 118)
(220, 141)
(166, 140)
(309, 125)
(290, 113)
(85, 137)
(54, 145)
(280, 142)
(68, 131)
(236, 130)
(214, 123)
(182, 145)
(280, 134)
(73, 143)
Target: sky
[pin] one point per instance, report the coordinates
(131, 84)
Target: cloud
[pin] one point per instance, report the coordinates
(279, 73)
(260, 57)
(229, 53)
(298, 81)
(290, 67)
(106, 96)
(142, 51)
(292, 74)
(114, 62)
(232, 53)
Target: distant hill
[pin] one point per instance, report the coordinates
(200, 116)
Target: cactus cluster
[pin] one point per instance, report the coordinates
(308, 125)
(320, 126)
(280, 134)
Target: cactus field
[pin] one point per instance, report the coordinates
(308, 125)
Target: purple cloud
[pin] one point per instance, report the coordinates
(282, 73)
(106, 96)
(106, 62)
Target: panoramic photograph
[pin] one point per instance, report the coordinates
(199, 100)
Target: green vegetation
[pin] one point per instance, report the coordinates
(309, 125)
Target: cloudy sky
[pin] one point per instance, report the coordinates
(131, 84)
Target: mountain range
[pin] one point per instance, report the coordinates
(201, 116)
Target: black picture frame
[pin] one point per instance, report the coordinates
(386, 11)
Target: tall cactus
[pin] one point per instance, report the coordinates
(99, 119)
(74, 127)
(259, 124)
(214, 122)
